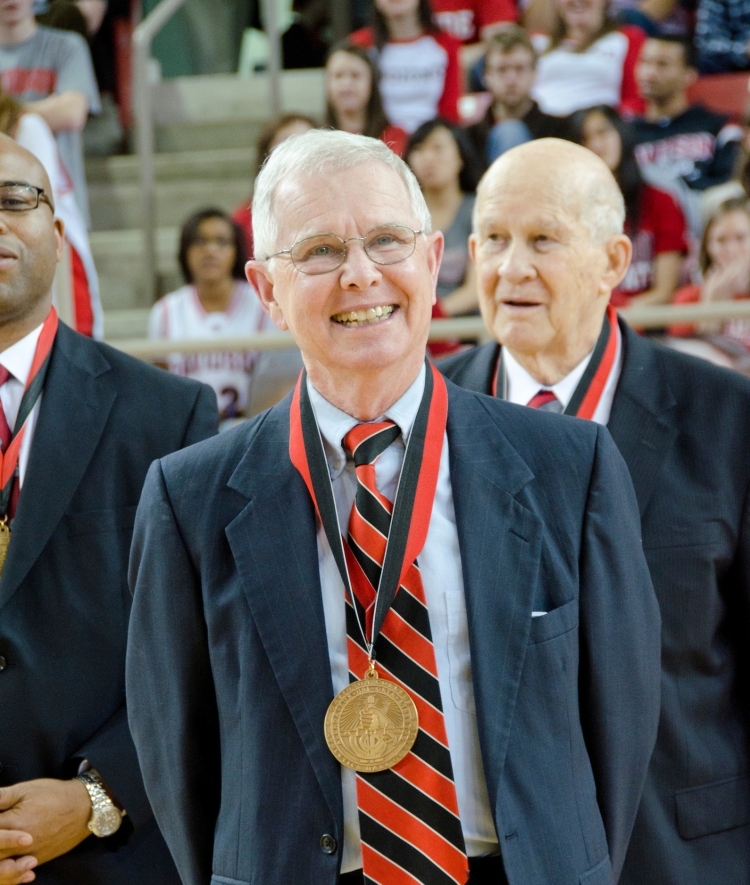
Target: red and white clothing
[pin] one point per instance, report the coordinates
(86, 314)
(568, 81)
(420, 79)
(661, 228)
(465, 19)
(180, 316)
(737, 329)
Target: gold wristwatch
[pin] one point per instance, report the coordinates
(106, 817)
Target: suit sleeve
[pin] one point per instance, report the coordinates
(171, 699)
(204, 419)
(620, 641)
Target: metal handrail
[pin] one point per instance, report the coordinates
(143, 115)
(654, 317)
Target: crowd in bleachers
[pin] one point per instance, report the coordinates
(450, 85)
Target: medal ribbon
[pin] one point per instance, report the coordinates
(32, 392)
(412, 507)
(587, 394)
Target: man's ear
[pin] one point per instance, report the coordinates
(619, 251)
(259, 276)
(59, 236)
(473, 246)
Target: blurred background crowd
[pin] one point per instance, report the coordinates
(657, 88)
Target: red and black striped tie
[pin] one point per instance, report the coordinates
(409, 822)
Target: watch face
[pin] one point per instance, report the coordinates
(105, 821)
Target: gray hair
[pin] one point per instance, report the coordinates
(321, 152)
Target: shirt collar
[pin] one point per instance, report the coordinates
(17, 358)
(335, 424)
(522, 386)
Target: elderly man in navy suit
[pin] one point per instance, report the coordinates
(548, 257)
(389, 631)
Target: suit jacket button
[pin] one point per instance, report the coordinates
(3, 663)
(328, 844)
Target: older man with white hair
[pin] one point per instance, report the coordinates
(549, 249)
(389, 631)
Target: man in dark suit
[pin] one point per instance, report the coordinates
(87, 423)
(547, 260)
(494, 709)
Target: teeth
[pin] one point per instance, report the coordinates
(364, 317)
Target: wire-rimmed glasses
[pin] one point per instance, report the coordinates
(387, 244)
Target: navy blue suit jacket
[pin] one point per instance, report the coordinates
(683, 428)
(64, 600)
(228, 675)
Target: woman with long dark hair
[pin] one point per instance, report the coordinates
(419, 66)
(653, 219)
(353, 102)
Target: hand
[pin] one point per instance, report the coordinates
(14, 871)
(55, 813)
(723, 283)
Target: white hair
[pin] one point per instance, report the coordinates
(321, 152)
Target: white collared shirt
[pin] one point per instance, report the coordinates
(440, 565)
(521, 386)
(17, 359)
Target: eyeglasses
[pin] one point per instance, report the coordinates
(323, 253)
(17, 196)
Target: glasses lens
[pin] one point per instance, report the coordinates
(17, 198)
(391, 244)
(318, 254)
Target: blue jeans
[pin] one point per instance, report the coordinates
(506, 135)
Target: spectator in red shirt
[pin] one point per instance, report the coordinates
(419, 67)
(653, 219)
(725, 263)
(587, 61)
(473, 22)
(276, 131)
(353, 102)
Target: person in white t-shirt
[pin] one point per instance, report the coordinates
(216, 302)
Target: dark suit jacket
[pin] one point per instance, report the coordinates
(64, 600)
(683, 427)
(229, 679)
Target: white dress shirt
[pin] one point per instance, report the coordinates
(17, 359)
(521, 386)
(440, 565)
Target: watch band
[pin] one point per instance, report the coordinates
(106, 817)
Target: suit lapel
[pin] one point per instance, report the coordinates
(642, 419)
(73, 411)
(500, 542)
(274, 544)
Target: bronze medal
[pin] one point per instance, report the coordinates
(372, 724)
(4, 541)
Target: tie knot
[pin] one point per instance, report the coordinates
(367, 442)
(545, 400)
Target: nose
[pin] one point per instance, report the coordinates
(359, 271)
(515, 264)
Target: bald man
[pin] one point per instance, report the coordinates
(549, 249)
(79, 425)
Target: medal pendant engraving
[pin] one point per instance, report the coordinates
(372, 724)
(4, 541)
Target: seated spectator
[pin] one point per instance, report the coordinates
(216, 302)
(420, 76)
(587, 61)
(444, 163)
(654, 17)
(473, 22)
(653, 219)
(681, 148)
(276, 131)
(722, 36)
(353, 102)
(76, 287)
(725, 263)
(51, 73)
(513, 117)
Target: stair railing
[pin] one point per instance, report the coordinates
(143, 116)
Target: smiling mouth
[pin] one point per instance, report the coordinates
(368, 317)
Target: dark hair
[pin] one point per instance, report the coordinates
(510, 38)
(558, 32)
(627, 174)
(380, 26)
(375, 118)
(735, 204)
(272, 129)
(189, 235)
(689, 55)
(471, 169)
